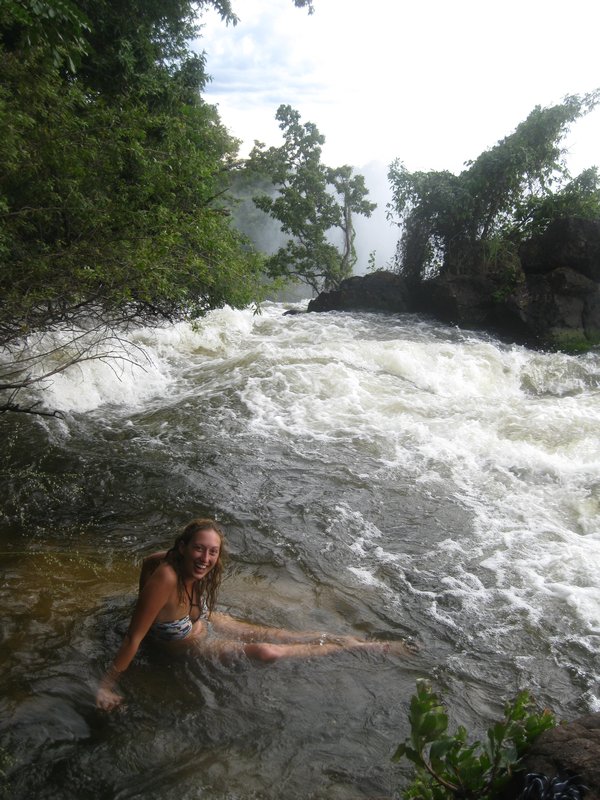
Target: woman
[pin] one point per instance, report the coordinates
(177, 594)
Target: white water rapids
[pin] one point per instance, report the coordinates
(376, 474)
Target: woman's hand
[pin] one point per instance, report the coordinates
(107, 700)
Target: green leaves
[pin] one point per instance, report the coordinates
(449, 767)
(111, 193)
(311, 201)
(509, 192)
(58, 27)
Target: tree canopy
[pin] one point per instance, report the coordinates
(311, 203)
(113, 172)
(507, 193)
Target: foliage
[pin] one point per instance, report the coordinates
(501, 257)
(111, 193)
(353, 192)
(508, 192)
(372, 265)
(448, 766)
(312, 200)
(579, 197)
(57, 27)
(139, 45)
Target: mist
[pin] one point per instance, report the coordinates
(375, 233)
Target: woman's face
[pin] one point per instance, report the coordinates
(200, 554)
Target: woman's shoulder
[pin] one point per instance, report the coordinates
(160, 571)
(154, 559)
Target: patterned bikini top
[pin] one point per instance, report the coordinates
(177, 628)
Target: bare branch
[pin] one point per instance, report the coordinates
(15, 407)
(25, 369)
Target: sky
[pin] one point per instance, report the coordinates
(429, 82)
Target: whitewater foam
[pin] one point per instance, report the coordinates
(509, 436)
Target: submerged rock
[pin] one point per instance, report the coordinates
(291, 312)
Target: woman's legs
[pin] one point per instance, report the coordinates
(248, 632)
(264, 644)
(267, 652)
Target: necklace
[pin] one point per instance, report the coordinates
(190, 595)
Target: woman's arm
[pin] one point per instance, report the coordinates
(154, 595)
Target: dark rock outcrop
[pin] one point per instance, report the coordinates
(291, 312)
(378, 291)
(560, 309)
(458, 299)
(547, 295)
(569, 242)
(571, 749)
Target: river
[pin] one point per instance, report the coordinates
(378, 475)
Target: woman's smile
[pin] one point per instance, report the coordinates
(201, 553)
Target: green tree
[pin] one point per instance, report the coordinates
(312, 202)
(113, 184)
(352, 191)
(140, 47)
(506, 193)
(110, 197)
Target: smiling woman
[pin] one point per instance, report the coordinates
(177, 591)
(177, 594)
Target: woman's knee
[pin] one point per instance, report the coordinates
(263, 651)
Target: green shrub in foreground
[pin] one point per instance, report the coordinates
(448, 766)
